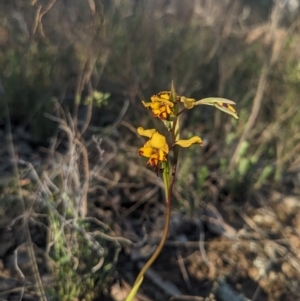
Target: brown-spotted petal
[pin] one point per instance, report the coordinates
(222, 104)
(227, 108)
(212, 100)
(146, 151)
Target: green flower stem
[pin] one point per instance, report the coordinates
(166, 177)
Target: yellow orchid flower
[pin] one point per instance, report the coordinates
(160, 105)
(156, 148)
(166, 105)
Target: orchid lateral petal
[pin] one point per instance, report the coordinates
(189, 142)
(188, 103)
(147, 133)
(222, 104)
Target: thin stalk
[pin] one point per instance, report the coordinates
(167, 224)
(166, 178)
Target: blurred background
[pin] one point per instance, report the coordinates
(79, 210)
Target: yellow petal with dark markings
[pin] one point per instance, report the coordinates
(146, 151)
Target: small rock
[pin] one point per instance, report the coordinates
(288, 270)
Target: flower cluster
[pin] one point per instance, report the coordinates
(164, 106)
(157, 149)
(160, 105)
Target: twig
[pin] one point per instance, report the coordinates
(19, 271)
(36, 19)
(89, 110)
(119, 240)
(183, 270)
(144, 199)
(113, 183)
(186, 298)
(211, 267)
(167, 286)
(92, 6)
(86, 173)
(121, 114)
